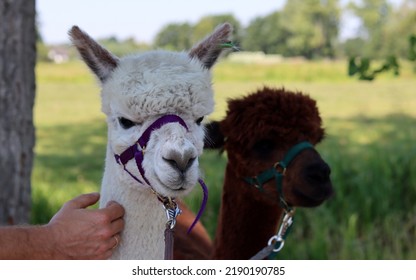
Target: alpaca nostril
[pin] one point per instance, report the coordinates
(190, 162)
(180, 163)
(318, 172)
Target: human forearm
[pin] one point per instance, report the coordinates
(26, 242)
(74, 232)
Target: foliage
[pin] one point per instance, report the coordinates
(384, 28)
(123, 47)
(400, 26)
(412, 51)
(374, 15)
(175, 36)
(353, 47)
(206, 24)
(301, 28)
(313, 27)
(361, 67)
(182, 36)
(369, 147)
(265, 34)
(42, 52)
(412, 48)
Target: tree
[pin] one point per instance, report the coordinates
(374, 16)
(182, 36)
(400, 28)
(206, 24)
(266, 34)
(122, 47)
(175, 36)
(353, 47)
(17, 92)
(313, 26)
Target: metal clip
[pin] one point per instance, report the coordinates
(172, 211)
(287, 221)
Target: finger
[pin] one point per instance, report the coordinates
(106, 255)
(102, 256)
(112, 243)
(115, 241)
(113, 210)
(117, 226)
(110, 246)
(83, 201)
(105, 248)
(109, 203)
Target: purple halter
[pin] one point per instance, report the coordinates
(138, 149)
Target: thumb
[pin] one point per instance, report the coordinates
(83, 201)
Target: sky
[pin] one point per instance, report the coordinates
(143, 19)
(140, 19)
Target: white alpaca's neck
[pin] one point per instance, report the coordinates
(145, 219)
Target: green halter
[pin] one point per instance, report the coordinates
(278, 171)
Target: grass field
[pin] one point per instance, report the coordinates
(369, 145)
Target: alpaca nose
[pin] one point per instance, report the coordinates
(318, 172)
(180, 162)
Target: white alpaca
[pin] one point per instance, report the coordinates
(137, 91)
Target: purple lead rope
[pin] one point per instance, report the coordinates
(203, 204)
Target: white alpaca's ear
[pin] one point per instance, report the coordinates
(98, 59)
(210, 48)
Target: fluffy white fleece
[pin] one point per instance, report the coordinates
(156, 83)
(141, 88)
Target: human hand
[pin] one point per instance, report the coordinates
(80, 233)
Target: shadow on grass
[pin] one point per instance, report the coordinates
(69, 161)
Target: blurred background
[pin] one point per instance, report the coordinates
(356, 58)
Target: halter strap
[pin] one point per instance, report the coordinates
(293, 152)
(274, 172)
(158, 124)
(138, 149)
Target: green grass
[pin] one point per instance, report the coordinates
(369, 145)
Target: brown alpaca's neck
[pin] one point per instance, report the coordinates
(245, 224)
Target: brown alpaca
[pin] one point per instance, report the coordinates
(257, 133)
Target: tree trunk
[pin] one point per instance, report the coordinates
(17, 94)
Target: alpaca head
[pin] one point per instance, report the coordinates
(257, 133)
(139, 89)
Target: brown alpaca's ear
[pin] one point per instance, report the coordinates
(214, 139)
(98, 59)
(210, 48)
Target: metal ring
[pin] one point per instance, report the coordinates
(140, 148)
(115, 237)
(273, 240)
(277, 164)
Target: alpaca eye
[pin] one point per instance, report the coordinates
(125, 123)
(199, 121)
